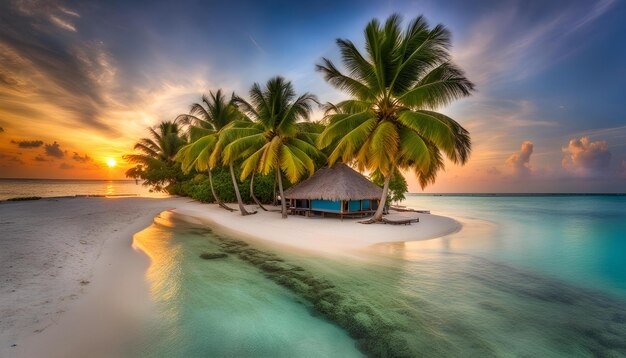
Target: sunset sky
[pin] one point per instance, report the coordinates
(81, 81)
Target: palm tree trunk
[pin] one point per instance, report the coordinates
(378, 215)
(217, 199)
(283, 204)
(242, 208)
(274, 197)
(252, 193)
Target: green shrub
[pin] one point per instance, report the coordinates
(202, 192)
(198, 188)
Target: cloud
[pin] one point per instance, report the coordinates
(69, 12)
(56, 13)
(256, 44)
(52, 67)
(54, 150)
(517, 39)
(28, 143)
(520, 162)
(80, 159)
(11, 159)
(41, 158)
(62, 23)
(1, 129)
(66, 166)
(493, 171)
(586, 158)
(8, 81)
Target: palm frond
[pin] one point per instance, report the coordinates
(351, 142)
(438, 88)
(384, 146)
(462, 140)
(342, 82)
(340, 125)
(291, 164)
(430, 127)
(237, 148)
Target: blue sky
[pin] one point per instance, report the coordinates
(548, 114)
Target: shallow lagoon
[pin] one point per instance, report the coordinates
(222, 307)
(489, 290)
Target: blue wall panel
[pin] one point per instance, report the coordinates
(327, 205)
(355, 205)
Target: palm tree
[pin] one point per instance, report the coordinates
(390, 122)
(276, 140)
(207, 121)
(196, 156)
(155, 162)
(162, 145)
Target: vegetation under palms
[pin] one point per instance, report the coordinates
(390, 124)
(276, 140)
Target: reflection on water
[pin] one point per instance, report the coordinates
(13, 188)
(222, 307)
(110, 189)
(444, 296)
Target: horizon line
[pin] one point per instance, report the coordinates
(469, 193)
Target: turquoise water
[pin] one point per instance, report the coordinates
(525, 277)
(223, 308)
(579, 239)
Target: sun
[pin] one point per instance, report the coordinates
(111, 162)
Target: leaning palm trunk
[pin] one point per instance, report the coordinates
(378, 215)
(217, 199)
(252, 193)
(242, 208)
(283, 204)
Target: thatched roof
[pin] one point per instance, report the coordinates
(339, 182)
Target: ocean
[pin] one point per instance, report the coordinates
(526, 276)
(15, 188)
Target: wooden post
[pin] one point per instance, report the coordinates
(341, 215)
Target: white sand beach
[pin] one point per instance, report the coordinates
(328, 235)
(64, 260)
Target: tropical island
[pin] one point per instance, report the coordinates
(277, 225)
(389, 126)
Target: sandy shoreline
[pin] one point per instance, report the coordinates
(61, 255)
(327, 235)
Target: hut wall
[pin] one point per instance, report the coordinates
(326, 205)
(366, 204)
(355, 205)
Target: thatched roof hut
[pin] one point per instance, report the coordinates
(337, 183)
